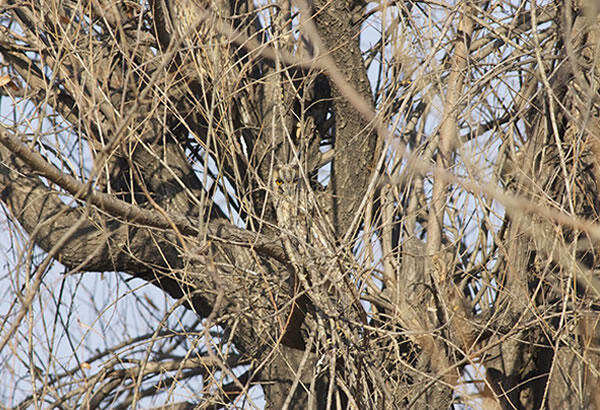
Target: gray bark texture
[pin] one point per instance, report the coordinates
(300, 204)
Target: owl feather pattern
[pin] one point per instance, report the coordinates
(304, 231)
(291, 209)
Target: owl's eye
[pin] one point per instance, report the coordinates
(278, 181)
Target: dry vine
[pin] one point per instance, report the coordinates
(300, 204)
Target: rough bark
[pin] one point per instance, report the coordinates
(158, 129)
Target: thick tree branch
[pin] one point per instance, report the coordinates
(219, 230)
(355, 139)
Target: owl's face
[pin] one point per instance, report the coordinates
(285, 180)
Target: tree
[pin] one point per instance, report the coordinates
(338, 204)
